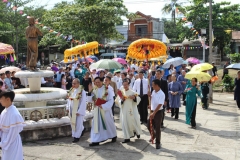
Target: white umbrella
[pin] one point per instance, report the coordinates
(234, 66)
(173, 61)
(69, 61)
(11, 69)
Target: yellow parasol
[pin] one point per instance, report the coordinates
(202, 67)
(81, 51)
(201, 76)
(145, 49)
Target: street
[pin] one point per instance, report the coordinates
(216, 137)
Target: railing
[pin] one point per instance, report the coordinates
(47, 112)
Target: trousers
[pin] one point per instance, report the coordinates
(143, 108)
(193, 117)
(156, 122)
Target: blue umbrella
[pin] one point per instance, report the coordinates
(93, 58)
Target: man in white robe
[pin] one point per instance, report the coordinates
(11, 124)
(76, 107)
(103, 127)
(129, 116)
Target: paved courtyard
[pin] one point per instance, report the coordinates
(216, 137)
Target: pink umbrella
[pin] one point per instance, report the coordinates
(86, 59)
(120, 60)
(193, 60)
(6, 48)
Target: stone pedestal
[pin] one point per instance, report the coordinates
(34, 84)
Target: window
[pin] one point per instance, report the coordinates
(141, 30)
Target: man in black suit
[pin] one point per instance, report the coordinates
(164, 88)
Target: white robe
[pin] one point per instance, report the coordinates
(129, 116)
(110, 131)
(81, 110)
(11, 124)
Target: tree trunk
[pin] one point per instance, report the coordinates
(174, 17)
(16, 52)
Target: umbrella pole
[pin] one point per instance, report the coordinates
(149, 100)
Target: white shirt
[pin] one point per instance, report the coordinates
(137, 83)
(157, 98)
(170, 71)
(118, 81)
(43, 80)
(132, 82)
(72, 72)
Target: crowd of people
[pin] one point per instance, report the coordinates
(142, 94)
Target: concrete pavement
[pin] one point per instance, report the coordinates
(216, 137)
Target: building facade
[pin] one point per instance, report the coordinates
(145, 26)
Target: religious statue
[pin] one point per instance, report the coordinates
(32, 34)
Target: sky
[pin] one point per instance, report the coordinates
(148, 7)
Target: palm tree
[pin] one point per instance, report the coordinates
(171, 8)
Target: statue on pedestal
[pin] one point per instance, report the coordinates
(32, 33)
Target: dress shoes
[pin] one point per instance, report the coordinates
(158, 146)
(114, 139)
(93, 144)
(126, 141)
(75, 140)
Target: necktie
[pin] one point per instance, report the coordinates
(141, 88)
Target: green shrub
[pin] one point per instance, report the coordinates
(235, 58)
(228, 83)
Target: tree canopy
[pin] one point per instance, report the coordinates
(92, 20)
(225, 17)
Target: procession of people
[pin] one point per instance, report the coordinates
(142, 97)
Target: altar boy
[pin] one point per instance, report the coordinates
(11, 124)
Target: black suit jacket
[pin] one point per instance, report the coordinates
(164, 88)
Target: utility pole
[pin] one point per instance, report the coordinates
(210, 99)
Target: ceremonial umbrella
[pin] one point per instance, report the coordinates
(193, 60)
(201, 76)
(144, 49)
(106, 64)
(234, 66)
(11, 69)
(173, 61)
(6, 48)
(202, 67)
(120, 60)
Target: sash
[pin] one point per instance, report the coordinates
(99, 112)
(75, 104)
(73, 117)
